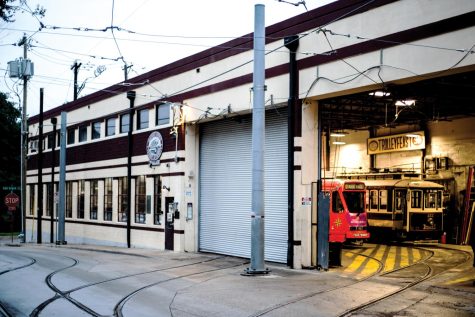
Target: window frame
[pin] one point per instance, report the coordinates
(122, 200)
(140, 199)
(80, 203)
(68, 212)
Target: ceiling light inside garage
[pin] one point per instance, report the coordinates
(380, 93)
(405, 103)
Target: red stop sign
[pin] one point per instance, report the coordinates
(12, 200)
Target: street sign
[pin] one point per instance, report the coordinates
(12, 201)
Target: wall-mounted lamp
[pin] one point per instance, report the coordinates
(165, 187)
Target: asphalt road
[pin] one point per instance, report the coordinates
(374, 280)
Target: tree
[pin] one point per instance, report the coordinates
(10, 130)
(8, 9)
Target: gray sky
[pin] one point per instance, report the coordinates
(164, 32)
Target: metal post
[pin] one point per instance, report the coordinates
(131, 97)
(291, 43)
(51, 198)
(258, 136)
(62, 182)
(75, 67)
(39, 231)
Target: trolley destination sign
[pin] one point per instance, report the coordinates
(397, 142)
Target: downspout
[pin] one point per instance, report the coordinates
(291, 43)
(131, 97)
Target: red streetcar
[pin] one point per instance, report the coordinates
(348, 219)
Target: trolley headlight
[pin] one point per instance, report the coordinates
(430, 220)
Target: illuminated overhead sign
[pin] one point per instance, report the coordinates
(396, 143)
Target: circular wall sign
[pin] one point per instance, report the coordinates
(154, 148)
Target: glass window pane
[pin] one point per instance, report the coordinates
(163, 114)
(124, 123)
(110, 126)
(96, 130)
(83, 133)
(71, 135)
(142, 118)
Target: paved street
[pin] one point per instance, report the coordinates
(79, 280)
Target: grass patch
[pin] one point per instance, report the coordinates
(8, 234)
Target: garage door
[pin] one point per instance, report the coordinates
(226, 184)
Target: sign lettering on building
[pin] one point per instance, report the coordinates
(397, 142)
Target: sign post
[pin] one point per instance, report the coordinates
(12, 201)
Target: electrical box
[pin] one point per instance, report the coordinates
(14, 68)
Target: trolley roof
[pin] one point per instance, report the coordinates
(411, 183)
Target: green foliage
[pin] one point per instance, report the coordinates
(8, 8)
(10, 131)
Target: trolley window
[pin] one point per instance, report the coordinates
(416, 199)
(373, 200)
(432, 198)
(354, 201)
(399, 200)
(383, 199)
(337, 205)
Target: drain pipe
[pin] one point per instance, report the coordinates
(291, 43)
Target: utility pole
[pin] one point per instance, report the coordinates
(75, 68)
(126, 70)
(258, 136)
(62, 182)
(39, 232)
(54, 120)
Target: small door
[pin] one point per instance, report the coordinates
(169, 222)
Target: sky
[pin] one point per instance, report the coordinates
(149, 34)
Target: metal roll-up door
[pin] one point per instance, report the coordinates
(226, 181)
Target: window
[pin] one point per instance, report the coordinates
(383, 199)
(83, 133)
(80, 202)
(157, 200)
(337, 205)
(373, 200)
(124, 123)
(69, 199)
(433, 198)
(94, 192)
(50, 140)
(108, 199)
(96, 130)
(140, 199)
(71, 136)
(33, 146)
(49, 195)
(142, 119)
(354, 201)
(110, 126)
(416, 198)
(123, 207)
(162, 114)
(32, 199)
(400, 200)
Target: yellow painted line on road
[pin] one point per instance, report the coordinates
(355, 264)
(462, 280)
(417, 255)
(390, 261)
(370, 268)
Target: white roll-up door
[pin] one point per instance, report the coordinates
(225, 186)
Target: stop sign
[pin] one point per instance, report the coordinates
(12, 201)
